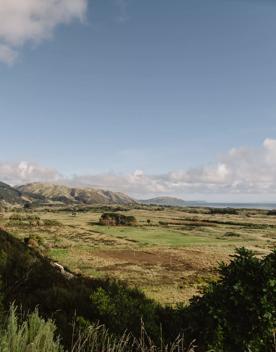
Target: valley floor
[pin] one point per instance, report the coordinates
(170, 253)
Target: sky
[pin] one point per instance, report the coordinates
(147, 97)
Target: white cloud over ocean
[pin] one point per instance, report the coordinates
(31, 21)
(242, 172)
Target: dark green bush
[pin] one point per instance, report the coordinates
(116, 219)
(271, 212)
(119, 307)
(238, 312)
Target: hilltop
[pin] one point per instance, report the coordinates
(68, 195)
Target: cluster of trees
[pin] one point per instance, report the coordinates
(116, 219)
(236, 313)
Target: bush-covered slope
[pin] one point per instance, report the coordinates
(31, 280)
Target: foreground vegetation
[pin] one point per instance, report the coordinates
(38, 335)
(237, 312)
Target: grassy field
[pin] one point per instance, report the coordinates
(170, 253)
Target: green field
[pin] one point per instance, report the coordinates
(169, 253)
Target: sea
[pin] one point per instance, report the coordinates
(264, 206)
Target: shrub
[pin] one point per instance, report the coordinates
(231, 234)
(115, 219)
(34, 335)
(116, 301)
(272, 212)
(238, 312)
(163, 223)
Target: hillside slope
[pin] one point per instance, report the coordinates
(64, 194)
(10, 195)
(30, 280)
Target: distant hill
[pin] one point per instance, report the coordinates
(68, 195)
(10, 195)
(172, 201)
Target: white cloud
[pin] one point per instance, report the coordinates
(23, 21)
(241, 174)
(135, 184)
(7, 54)
(242, 170)
(24, 172)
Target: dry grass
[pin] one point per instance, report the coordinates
(170, 258)
(97, 338)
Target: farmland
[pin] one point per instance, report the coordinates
(170, 252)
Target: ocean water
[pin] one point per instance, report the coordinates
(264, 206)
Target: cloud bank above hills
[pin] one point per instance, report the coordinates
(31, 21)
(242, 174)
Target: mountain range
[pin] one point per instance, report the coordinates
(50, 193)
(47, 193)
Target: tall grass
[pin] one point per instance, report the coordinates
(35, 334)
(96, 338)
(32, 335)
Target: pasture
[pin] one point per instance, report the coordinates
(169, 253)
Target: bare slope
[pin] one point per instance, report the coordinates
(66, 194)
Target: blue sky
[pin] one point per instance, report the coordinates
(163, 87)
